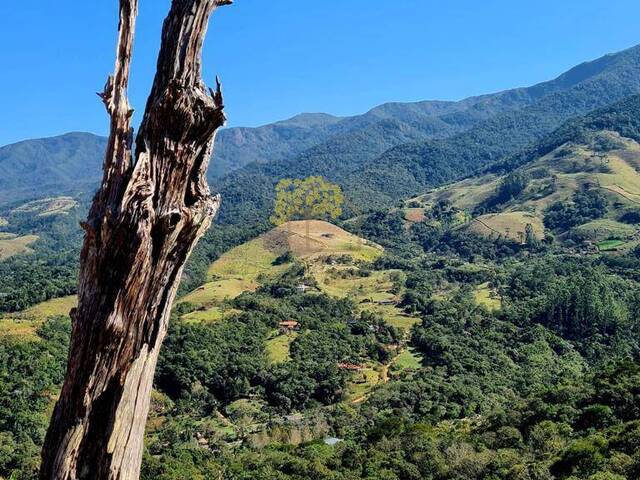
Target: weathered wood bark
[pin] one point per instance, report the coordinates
(144, 222)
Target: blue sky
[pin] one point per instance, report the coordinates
(281, 57)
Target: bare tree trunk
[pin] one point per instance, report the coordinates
(145, 220)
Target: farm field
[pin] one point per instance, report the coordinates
(25, 323)
(11, 245)
(47, 206)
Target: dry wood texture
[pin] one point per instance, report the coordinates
(146, 218)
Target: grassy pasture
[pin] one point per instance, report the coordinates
(603, 229)
(208, 315)
(510, 225)
(47, 206)
(368, 293)
(24, 324)
(245, 267)
(362, 383)
(408, 359)
(11, 245)
(483, 295)
(278, 347)
(235, 272)
(465, 194)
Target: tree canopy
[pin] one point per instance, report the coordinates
(312, 198)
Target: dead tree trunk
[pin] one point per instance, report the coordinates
(145, 220)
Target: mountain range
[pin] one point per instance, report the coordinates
(391, 152)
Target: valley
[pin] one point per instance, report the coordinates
(471, 313)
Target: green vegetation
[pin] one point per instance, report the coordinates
(584, 206)
(278, 347)
(514, 358)
(31, 370)
(27, 322)
(408, 360)
(603, 230)
(310, 199)
(509, 188)
(473, 332)
(388, 160)
(607, 245)
(581, 192)
(52, 242)
(488, 298)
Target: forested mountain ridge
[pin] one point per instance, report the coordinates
(590, 86)
(389, 140)
(53, 163)
(385, 162)
(67, 164)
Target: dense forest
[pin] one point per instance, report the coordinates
(544, 387)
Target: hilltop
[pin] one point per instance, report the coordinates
(332, 260)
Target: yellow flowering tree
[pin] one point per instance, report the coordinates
(312, 198)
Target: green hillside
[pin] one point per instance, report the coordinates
(334, 261)
(446, 328)
(515, 357)
(39, 250)
(602, 165)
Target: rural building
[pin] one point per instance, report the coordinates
(289, 326)
(350, 366)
